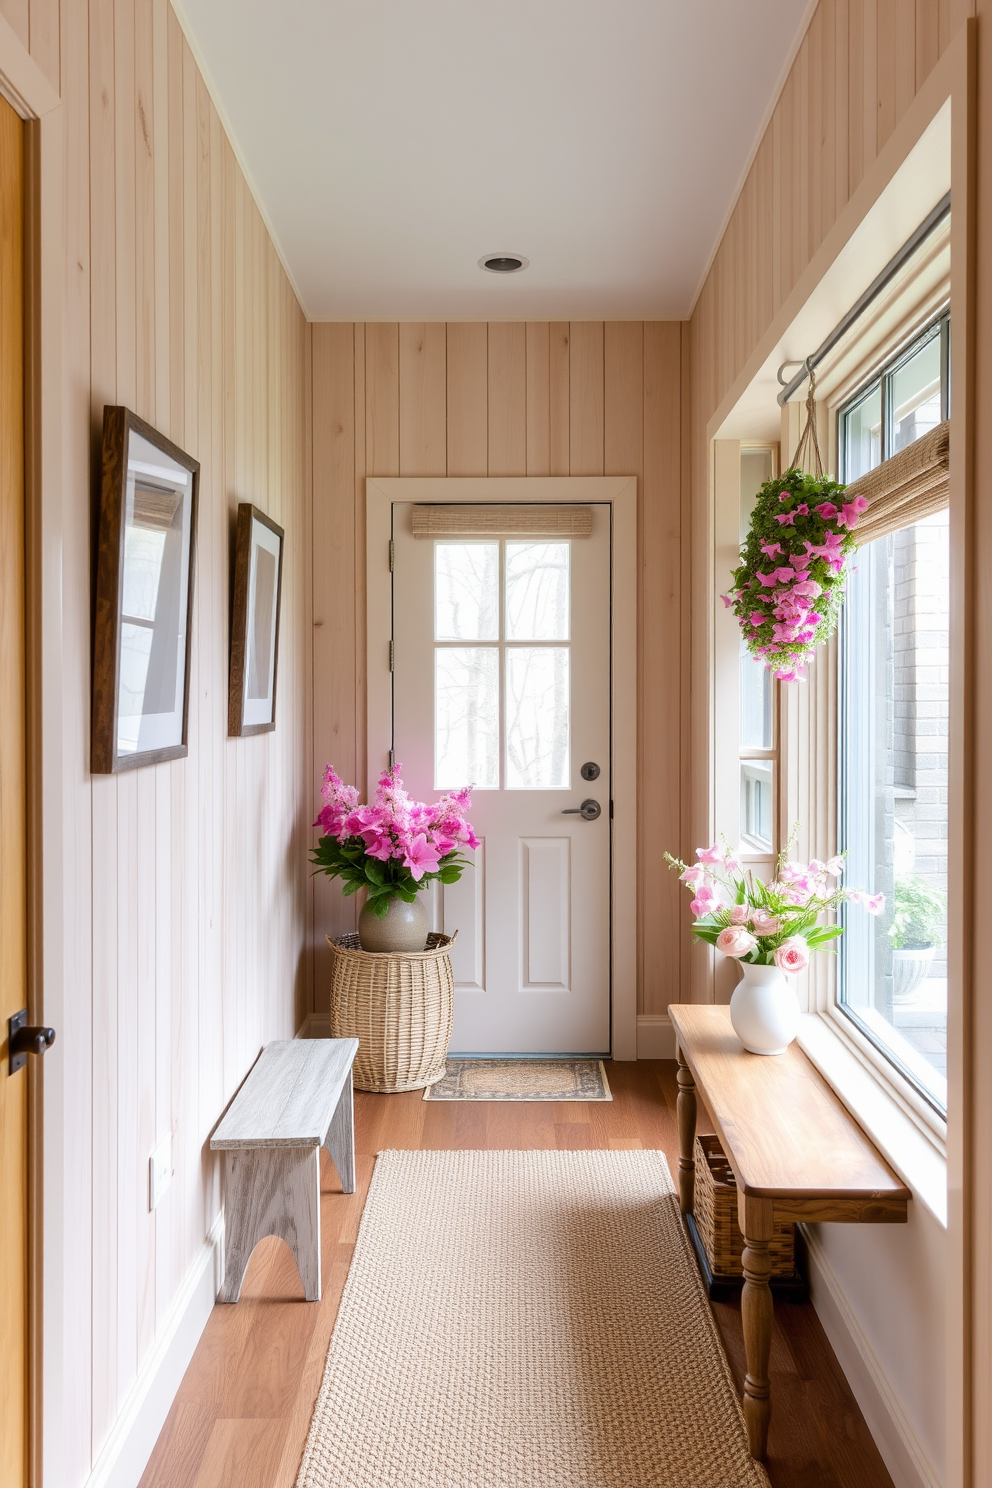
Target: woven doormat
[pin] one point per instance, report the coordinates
(522, 1080)
(525, 1320)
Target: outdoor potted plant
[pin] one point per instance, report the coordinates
(915, 932)
(393, 848)
(770, 929)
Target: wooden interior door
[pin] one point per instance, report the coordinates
(13, 875)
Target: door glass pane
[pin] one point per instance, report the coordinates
(537, 709)
(894, 785)
(914, 393)
(466, 717)
(537, 577)
(863, 435)
(466, 591)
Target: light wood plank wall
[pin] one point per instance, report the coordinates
(185, 883)
(585, 398)
(858, 69)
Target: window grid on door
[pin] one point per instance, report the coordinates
(502, 653)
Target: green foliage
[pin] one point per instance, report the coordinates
(919, 913)
(805, 490)
(348, 861)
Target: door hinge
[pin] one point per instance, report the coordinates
(611, 811)
(392, 655)
(392, 758)
(392, 555)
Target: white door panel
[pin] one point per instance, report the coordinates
(501, 680)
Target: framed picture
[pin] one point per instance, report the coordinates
(146, 551)
(255, 623)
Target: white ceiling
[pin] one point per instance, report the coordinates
(392, 143)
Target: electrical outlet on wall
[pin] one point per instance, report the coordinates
(159, 1170)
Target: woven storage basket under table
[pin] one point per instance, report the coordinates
(715, 1214)
(399, 1005)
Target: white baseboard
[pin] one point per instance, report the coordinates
(894, 1433)
(655, 1036)
(126, 1451)
(315, 1025)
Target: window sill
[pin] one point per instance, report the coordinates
(913, 1152)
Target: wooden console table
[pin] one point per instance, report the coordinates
(796, 1152)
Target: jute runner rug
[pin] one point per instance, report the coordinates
(525, 1320)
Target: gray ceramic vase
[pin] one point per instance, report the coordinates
(402, 928)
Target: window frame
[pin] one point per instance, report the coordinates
(883, 1063)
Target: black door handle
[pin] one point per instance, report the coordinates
(589, 810)
(23, 1040)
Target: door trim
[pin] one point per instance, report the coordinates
(620, 491)
(33, 97)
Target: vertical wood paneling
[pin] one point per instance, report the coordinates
(185, 905)
(585, 410)
(520, 399)
(423, 379)
(507, 378)
(538, 398)
(468, 399)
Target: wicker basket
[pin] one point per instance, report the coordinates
(399, 1006)
(715, 1214)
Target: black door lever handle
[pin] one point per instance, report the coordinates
(23, 1040)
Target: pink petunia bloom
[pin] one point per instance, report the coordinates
(696, 874)
(790, 674)
(826, 510)
(757, 618)
(785, 575)
(727, 601)
(420, 857)
(769, 548)
(785, 496)
(800, 560)
(768, 580)
(785, 519)
(714, 854)
(851, 512)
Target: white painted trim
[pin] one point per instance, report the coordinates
(894, 1433)
(621, 492)
(655, 1036)
(126, 1451)
(315, 1025)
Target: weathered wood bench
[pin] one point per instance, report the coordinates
(296, 1099)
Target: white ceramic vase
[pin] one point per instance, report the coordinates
(764, 1010)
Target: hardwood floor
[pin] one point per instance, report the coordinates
(241, 1416)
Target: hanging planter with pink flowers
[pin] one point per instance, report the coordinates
(788, 589)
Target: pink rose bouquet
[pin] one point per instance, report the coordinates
(767, 924)
(395, 846)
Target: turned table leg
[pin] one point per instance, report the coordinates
(756, 1218)
(685, 1110)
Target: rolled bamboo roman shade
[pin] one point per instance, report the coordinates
(912, 485)
(502, 521)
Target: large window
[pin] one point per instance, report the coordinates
(893, 719)
(758, 741)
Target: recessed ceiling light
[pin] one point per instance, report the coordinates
(503, 263)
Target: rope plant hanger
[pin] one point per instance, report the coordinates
(788, 588)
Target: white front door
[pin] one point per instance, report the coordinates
(501, 680)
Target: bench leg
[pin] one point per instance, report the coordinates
(756, 1219)
(340, 1139)
(272, 1191)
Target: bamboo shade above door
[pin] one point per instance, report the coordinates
(502, 521)
(913, 484)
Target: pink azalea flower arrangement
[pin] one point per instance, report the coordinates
(788, 589)
(394, 846)
(767, 924)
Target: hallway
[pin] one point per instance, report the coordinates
(241, 1415)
